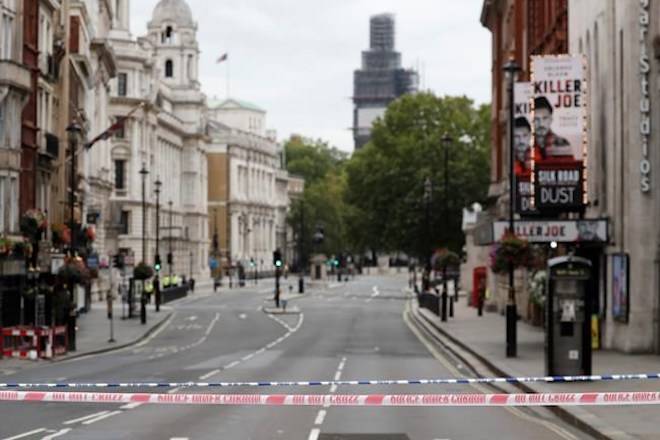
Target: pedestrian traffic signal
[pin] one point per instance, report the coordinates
(252, 263)
(118, 261)
(277, 258)
(157, 265)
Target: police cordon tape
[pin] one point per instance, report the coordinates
(459, 381)
(389, 400)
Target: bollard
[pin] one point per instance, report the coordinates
(451, 306)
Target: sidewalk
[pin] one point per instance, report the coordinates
(94, 333)
(483, 337)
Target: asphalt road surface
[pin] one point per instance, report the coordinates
(354, 330)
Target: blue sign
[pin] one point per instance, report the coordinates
(213, 263)
(93, 261)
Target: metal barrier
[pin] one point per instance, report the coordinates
(429, 301)
(174, 293)
(33, 342)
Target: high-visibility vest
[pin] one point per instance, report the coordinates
(148, 287)
(166, 281)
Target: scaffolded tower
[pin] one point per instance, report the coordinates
(381, 78)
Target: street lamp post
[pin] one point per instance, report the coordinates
(143, 299)
(301, 238)
(170, 257)
(428, 194)
(74, 130)
(157, 262)
(446, 142)
(511, 68)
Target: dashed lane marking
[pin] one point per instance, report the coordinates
(57, 434)
(132, 405)
(25, 434)
(80, 419)
(320, 417)
(314, 435)
(103, 417)
(247, 357)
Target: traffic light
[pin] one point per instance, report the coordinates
(169, 258)
(157, 265)
(252, 263)
(277, 258)
(118, 261)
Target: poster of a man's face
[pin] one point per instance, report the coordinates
(522, 134)
(548, 143)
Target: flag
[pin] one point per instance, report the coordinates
(118, 125)
(223, 58)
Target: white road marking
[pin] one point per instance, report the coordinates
(270, 345)
(80, 419)
(131, 405)
(57, 434)
(231, 365)
(99, 418)
(179, 438)
(26, 434)
(338, 375)
(209, 374)
(333, 389)
(191, 318)
(242, 316)
(173, 390)
(320, 417)
(314, 434)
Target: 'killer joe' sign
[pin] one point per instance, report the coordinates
(558, 103)
(522, 148)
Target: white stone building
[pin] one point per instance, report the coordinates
(250, 159)
(157, 74)
(621, 41)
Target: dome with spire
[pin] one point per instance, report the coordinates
(172, 11)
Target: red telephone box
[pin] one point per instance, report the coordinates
(479, 278)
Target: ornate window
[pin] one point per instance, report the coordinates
(169, 69)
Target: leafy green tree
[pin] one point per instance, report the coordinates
(385, 180)
(311, 159)
(322, 203)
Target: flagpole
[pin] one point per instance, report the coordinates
(228, 77)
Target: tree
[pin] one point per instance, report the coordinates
(322, 203)
(385, 179)
(311, 159)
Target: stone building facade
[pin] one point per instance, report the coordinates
(249, 196)
(15, 89)
(157, 85)
(621, 41)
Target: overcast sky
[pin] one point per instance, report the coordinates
(295, 58)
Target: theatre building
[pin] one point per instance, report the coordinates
(621, 42)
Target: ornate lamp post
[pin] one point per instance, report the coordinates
(511, 69)
(157, 262)
(75, 132)
(446, 143)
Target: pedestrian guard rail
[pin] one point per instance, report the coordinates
(33, 342)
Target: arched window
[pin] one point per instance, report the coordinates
(169, 69)
(168, 35)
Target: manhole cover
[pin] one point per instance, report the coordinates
(364, 437)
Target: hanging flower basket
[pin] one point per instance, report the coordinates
(6, 247)
(33, 223)
(444, 258)
(22, 248)
(90, 233)
(74, 271)
(143, 271)
(61, 235)
(511, 250)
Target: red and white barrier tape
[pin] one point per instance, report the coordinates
(391, 400)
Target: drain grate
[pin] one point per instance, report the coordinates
(363, 437)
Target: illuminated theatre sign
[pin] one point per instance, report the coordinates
(645, 99)
(559, 142)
